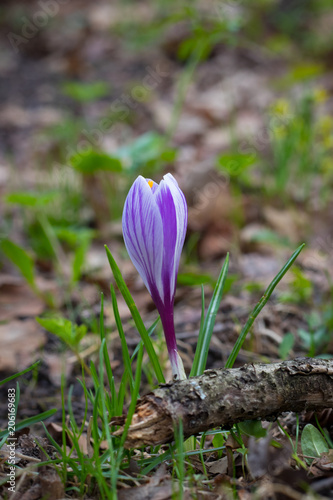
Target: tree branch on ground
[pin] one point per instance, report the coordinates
(221, 398)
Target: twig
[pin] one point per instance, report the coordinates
(221, 398)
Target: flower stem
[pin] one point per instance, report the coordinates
(170, 337)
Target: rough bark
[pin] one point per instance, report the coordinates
(220, 398)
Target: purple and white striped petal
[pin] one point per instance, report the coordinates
(154, 229)
(173, 209)
(142, 228)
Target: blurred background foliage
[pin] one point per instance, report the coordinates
(233, 97)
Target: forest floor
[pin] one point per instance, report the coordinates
(236, 101)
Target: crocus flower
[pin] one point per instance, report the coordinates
(154, 228)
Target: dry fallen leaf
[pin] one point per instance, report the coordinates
(159, 487)
(219, 466)
(51, 485)
(56, 365)
(290, 223)
(17, 299)
(20, 341)
(263, 458)
(258, 267)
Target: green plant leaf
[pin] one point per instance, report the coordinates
(31, 199)
(313, 443)
(194, 279)
(236, 163)
(134, 396)
(124, 348)
(303, 72)
(21, 259)
(107, 361)
(30, 421)
(94, 161)
(252, 428)
(271, 237)
(144, 151)
(8, 379)
(136, 316)
(286, 345)
(70, 333)
(218, 442)
(262, 302)
(201, 353)
(150, 332)
(85, 92)
(78, 262)
(74, 236)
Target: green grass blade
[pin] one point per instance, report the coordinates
(101, 318)
(105, 417)
(180, 458)
(17, 398)
(205, 335)
(113, 398)
(155, 462)
(31, 367)
(30, 421)
(2, 442)
(122, 393)
(71, 412)
(97, 436)
(105, 349)
(135, 396)
(262, 302)
(150, 331)
(124, 348)
(136, 316)
(202, 319)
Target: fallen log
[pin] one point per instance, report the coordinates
(220, 398)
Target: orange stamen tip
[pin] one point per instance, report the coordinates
(150, 184)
